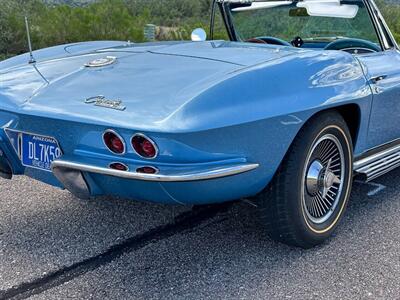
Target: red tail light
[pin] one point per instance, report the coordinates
(119, 166)
(147, 170)
(114, 142)
(144, 146)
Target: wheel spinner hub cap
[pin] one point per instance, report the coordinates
(323, 179)
(314, 176)
(320, 179)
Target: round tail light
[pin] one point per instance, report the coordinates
(144, 146)
(114, 142)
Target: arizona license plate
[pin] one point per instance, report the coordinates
(39, 151)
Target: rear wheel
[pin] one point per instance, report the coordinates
(311, 189)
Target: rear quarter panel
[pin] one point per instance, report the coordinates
(260, 110)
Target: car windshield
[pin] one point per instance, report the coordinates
(313, 21)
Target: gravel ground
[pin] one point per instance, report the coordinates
(53, 246)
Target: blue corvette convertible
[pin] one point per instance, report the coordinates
(303, 96)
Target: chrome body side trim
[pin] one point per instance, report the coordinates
(179, 176)
(379, 163)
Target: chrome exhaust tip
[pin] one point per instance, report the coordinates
(73, 181)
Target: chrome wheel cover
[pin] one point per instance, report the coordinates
(323, 179)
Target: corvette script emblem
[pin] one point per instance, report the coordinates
(107, 103)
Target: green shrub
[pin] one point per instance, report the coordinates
(112, 20)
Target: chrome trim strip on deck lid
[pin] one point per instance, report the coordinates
(179, 176)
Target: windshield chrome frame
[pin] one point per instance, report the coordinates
(377, 15)
(372, 8)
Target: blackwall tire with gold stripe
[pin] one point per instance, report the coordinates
(309, 194)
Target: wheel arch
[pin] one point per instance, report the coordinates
(351, 113)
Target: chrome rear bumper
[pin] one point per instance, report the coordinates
(205, 173)
(70, 174)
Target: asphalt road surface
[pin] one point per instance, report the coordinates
(54, 246)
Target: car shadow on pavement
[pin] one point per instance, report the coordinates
(224, 254)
